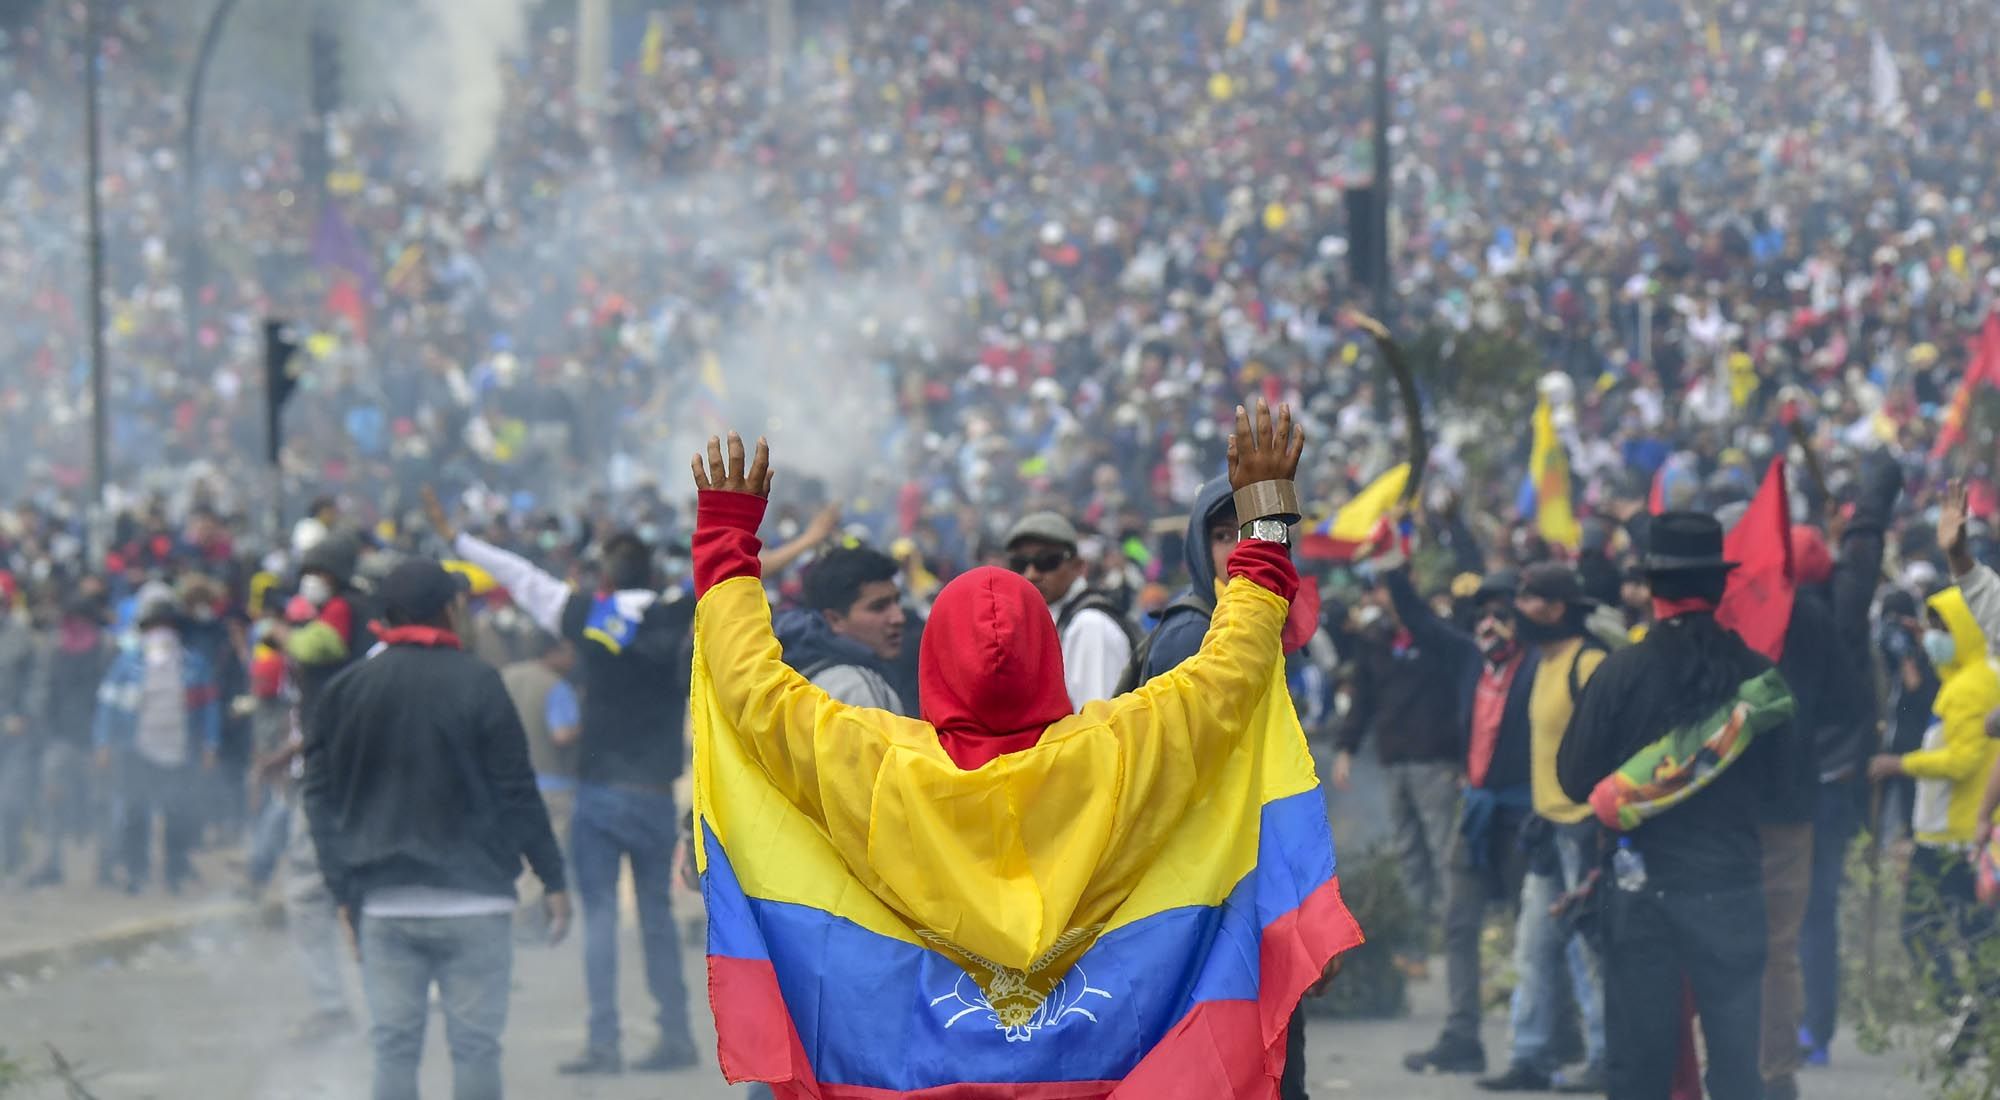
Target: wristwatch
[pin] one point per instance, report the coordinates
(1268, 530)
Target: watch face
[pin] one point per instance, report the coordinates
(1267, 530)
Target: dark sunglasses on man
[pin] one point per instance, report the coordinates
(1048, 561)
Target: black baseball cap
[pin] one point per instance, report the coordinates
(419, 590)
(1553, 581)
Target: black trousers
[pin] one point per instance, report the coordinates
(1292, 1086)
(1653, 940)
(149, 791)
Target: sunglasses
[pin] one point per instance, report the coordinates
(1047, 561)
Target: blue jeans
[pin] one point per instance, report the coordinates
(613, 824)
(1836, 815)
(1540, 951)
(270, 834)
(472, 960)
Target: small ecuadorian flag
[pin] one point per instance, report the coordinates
(1361, 526)
(614, 618)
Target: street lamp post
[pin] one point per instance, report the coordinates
(1378, 40)
(194, 256)
(93, 44)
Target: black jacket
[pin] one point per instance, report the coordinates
(72, 673)
(1510, 755)
(1709, 842)
(1844, 750)
(634, 699)
(417, 774)
(1408, 698)
(1831, 702)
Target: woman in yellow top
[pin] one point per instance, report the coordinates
(1940, 908)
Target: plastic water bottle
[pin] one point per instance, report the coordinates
(1628, 867)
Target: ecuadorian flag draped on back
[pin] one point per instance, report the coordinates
(1131, 907)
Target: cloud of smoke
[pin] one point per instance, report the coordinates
(804, 359)
(445, 62)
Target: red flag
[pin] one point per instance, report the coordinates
(1656, 501)
(1983, 369)
(1758, 602)
(343, 299)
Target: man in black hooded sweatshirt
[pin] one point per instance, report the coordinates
(633, 657)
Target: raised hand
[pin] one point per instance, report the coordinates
(734, 476)
(1951, 538)
(439, 519)
(824, 524)
(1262, 451)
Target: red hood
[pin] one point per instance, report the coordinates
(990, 671)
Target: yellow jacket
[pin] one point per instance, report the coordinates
(1957, 754)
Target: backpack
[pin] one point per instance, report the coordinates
(1097, 601)
(1590, 642)
(1135, 669)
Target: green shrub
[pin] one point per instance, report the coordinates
(1896, 1006)
(1369, 985)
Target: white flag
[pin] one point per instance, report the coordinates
(1885, 84)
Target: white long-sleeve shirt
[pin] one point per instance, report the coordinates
(1095, 651)
(1981, 589)
(538, 594)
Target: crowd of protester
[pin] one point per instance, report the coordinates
(1030, 256)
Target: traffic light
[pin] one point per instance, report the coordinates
(324, 47)
(281, 377)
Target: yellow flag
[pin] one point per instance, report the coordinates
(653, 47)
(1240, 25)
(1357, 522)
(1040, 99)
(1548, 473)
(1742, 378)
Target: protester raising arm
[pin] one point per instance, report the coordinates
(537, 593)
(1978, 582)
(1424, 625)
(822, 527)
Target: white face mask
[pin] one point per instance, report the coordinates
(315, 589)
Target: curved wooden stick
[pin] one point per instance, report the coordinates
(1406, 386)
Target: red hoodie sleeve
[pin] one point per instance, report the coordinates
(1268, 565)
(725, 538)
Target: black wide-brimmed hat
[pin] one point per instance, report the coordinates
(1684, 542)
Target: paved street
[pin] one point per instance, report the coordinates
(210, 1020)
